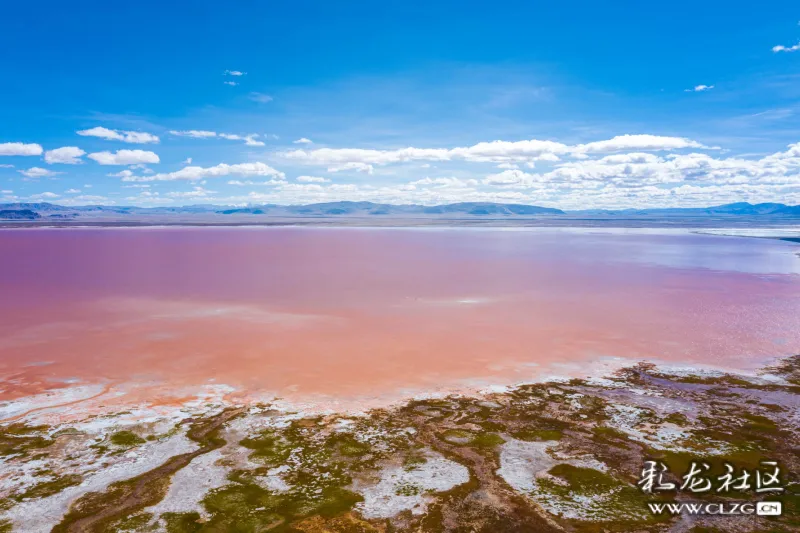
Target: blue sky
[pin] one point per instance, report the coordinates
(574, 106)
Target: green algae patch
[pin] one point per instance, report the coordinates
(182, 522)
(457, 436)
(532, 435)
(98, 511)
(487, 440)
(241, 505)
(249, 507)
(269, 447)
(585, 480)
(138, 523)
(480, 440)
(610, 436)
(591, 500)
(48, 488)
(346, 444)
(679, 419)
(20, 439)
(126, 438)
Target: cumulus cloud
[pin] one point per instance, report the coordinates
(121, 174)
(124, 157)
(198, 173)
(246, 183)
(358, 167)
(446, 182)
(37, 172)
(197, 134)
(20, 149)
(511, 177)
(133, 137)
(234, 73)
(699, 88)
(508, 152)
(638, 142)
(197, 192)
(312, 179)
(261, 98)
(72, 191)
(250, 139)
(781, 48)
(303, 140)
(44, 196)
(68, 155)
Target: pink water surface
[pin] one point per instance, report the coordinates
(361, 314)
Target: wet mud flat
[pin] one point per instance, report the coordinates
(562, 455)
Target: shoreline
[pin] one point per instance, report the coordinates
(506, 441)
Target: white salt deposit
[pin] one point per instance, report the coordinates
(40, 515)
(401, 489)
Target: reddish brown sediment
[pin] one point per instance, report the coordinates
(364, 316)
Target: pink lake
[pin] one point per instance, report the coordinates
(362, 316)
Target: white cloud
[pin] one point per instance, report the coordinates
(199, 173)
(197, 134)
(87, 199)
(781, 48)
(124, 157)
(133, 137)
(231, 83)
(261, 98)
(121, 174)
(272, 182)
(448, 183)
(312, 179)
(37, 172)
(187, 161)
(72, 191)
(235, 73)
(303, 140)
(621, 159)
(639, 142)
(6, 166)
(512, 177)
(20, 149)
(358, 167)
(547, 157)
(68, 155)
(249, 139)
(141, 166)
(699, 88)
(44, 196)
(488, 152)
(197, 192)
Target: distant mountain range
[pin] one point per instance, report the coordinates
(739, 208)
(42, 212)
